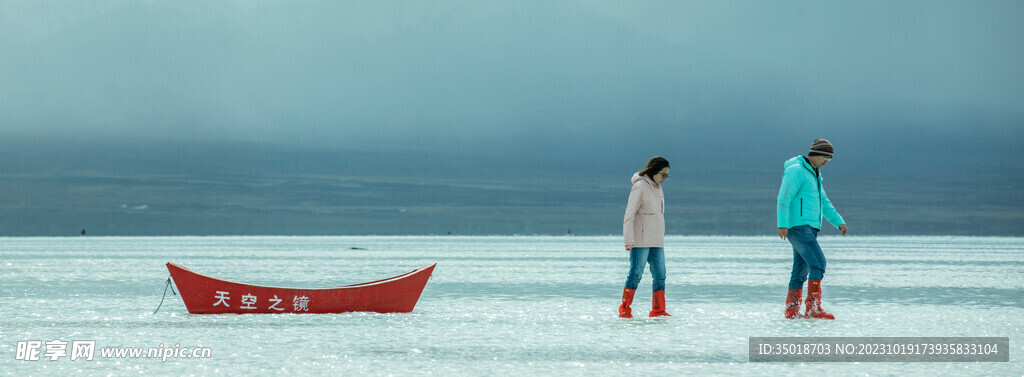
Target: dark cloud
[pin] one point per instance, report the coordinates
(456, 73)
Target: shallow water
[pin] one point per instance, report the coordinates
(505, 305)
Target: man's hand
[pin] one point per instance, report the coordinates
(843, 228)
(783, 232)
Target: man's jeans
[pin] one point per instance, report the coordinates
(641, 256)
(807, 256)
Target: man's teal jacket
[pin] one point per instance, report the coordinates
(802, 199)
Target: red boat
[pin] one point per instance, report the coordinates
(206, 295)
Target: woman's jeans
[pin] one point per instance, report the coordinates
(807, 255)
(641, 256)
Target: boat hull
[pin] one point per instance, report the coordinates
(207, 295)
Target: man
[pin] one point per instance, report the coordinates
(801, 204)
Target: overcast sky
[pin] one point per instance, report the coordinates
(877, 77)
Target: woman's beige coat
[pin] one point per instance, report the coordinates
(644, 223)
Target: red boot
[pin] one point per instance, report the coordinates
(814, 309)
(658, 305)
(793, 303)
(627, 300)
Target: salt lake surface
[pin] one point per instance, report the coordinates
(505, 305)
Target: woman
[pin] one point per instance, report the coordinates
(644, 231)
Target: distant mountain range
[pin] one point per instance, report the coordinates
(235, 189)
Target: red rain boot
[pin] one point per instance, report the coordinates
(814, 309)
(793, 303)
(627, 300)
(658, 305)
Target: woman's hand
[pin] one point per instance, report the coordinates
(783, 232)
(629, 247)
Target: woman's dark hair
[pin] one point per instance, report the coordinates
(654, 166)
